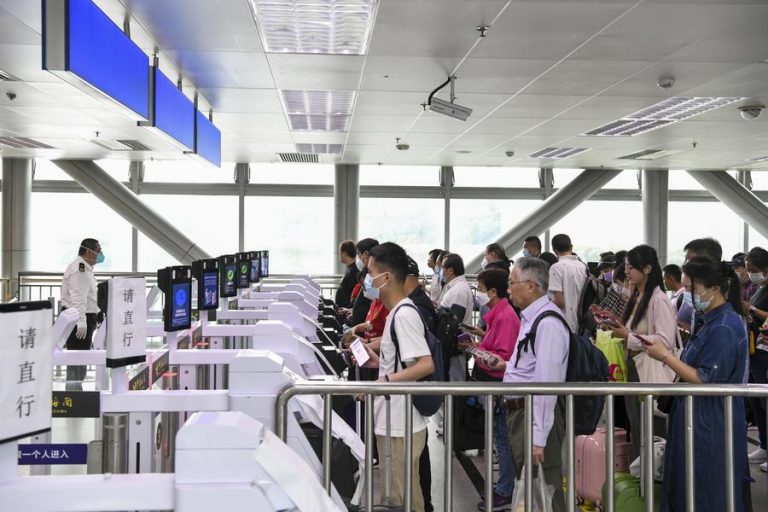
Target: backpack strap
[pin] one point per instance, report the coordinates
(530, 337)
(393, 333)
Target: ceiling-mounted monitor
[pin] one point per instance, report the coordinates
(207, 140)
(85, 48)
(171, 113)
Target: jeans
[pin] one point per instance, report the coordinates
(506, 483)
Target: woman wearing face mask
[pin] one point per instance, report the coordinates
(651, 315)
(757, 311)
(499, 341)
(716, 354)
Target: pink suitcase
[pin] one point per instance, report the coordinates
(590, 462)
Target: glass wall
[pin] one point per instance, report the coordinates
(476, 223)
(297, 231)
(415, 224)
(496, 177)
(211, 222)
(689, 220)
(59, 222)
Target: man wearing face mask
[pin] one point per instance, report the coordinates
(78, 291)
(605, 267)
(457, 298)
(532, 247)
(757, 311)
(701, 247)
(739, 265)
(495, 257)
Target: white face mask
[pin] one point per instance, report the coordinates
(484, 263)
(526, 253)
(482, 298)
(757, 277)
(359, 264)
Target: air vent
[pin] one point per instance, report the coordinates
(668, 111)
(328, 103)
(557, 152)
(318, 123)
(648, 154)
(319, 149)
(23, 143)
(299, 158)
(121, 145)
(7, 77)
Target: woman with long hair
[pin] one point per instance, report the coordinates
(715, 354)
(648, 317)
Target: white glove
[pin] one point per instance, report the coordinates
(82, 329)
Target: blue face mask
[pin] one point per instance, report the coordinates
(372, 292)
(701, 305)
(100, 257)
(608, 277)
(687, 298)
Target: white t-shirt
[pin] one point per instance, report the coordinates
(459, 293)
(410, 337)
(568, 276)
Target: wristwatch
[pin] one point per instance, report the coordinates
(752, 309)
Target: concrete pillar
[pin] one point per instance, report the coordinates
(655, 190)
(17, 204)
(242, 177)
(446, 184)
(135, 176)
(346, 201)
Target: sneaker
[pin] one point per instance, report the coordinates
(758, 456)
(499, 503)
(764, 467)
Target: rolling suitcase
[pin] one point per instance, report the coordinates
(590, 462)
(627, 496)
(387, 506)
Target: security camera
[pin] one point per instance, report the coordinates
(10, 95)
(401, 146)
(509, 153)
(752, 112)
(665, 82)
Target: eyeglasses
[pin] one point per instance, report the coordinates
(518, 282)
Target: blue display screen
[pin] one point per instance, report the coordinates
(264, 263)
(255, 270)
(207, 140)
(99, 53)
(210, 284)
(174, 112)
(181, 307)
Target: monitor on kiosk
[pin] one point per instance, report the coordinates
(228, 276)
(176, 284)
(255, 257)
(207, 274)
(243, 270)
(264, 263)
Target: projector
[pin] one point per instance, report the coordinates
(450, 109)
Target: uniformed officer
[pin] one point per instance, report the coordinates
(78, 291)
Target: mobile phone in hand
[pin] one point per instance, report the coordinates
(644, 341)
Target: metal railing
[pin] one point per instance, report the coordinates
(528, 391)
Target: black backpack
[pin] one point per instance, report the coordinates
(427, 405)
(447, 331)
(593, 292)
(586, 363)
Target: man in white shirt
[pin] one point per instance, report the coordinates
(546, 362)
(78, 291)
(457, 297)
(567, 278)
(388, 267)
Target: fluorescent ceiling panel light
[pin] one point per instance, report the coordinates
(302, 123)
(319, 149)
(668, 111)
(23, 143)
(330, 27)
(557, 152)
(327, 103)
(299, 158)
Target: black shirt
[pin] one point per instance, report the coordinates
(348, 282)
(426, 309)
(361, 306)
(760, 301)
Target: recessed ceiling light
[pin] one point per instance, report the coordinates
(663, 113)
(318, 110)
(319, 26)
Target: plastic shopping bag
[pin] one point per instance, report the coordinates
(659, 446)
(542, 493)
(613, 348)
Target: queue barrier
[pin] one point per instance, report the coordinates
(528, 391)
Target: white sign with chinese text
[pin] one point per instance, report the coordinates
(126, 321)
(26, 369)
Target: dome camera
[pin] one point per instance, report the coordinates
(665, 82)
(509, 153)
(752, 112)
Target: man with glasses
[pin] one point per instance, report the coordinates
(546, 362)
(78, 291)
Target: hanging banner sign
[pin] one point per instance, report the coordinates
(126, 321)
(26, 369)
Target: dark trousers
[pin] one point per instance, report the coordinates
(76, 373)
(758, 372)
(425, 476)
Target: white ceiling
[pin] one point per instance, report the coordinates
(546, 72)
